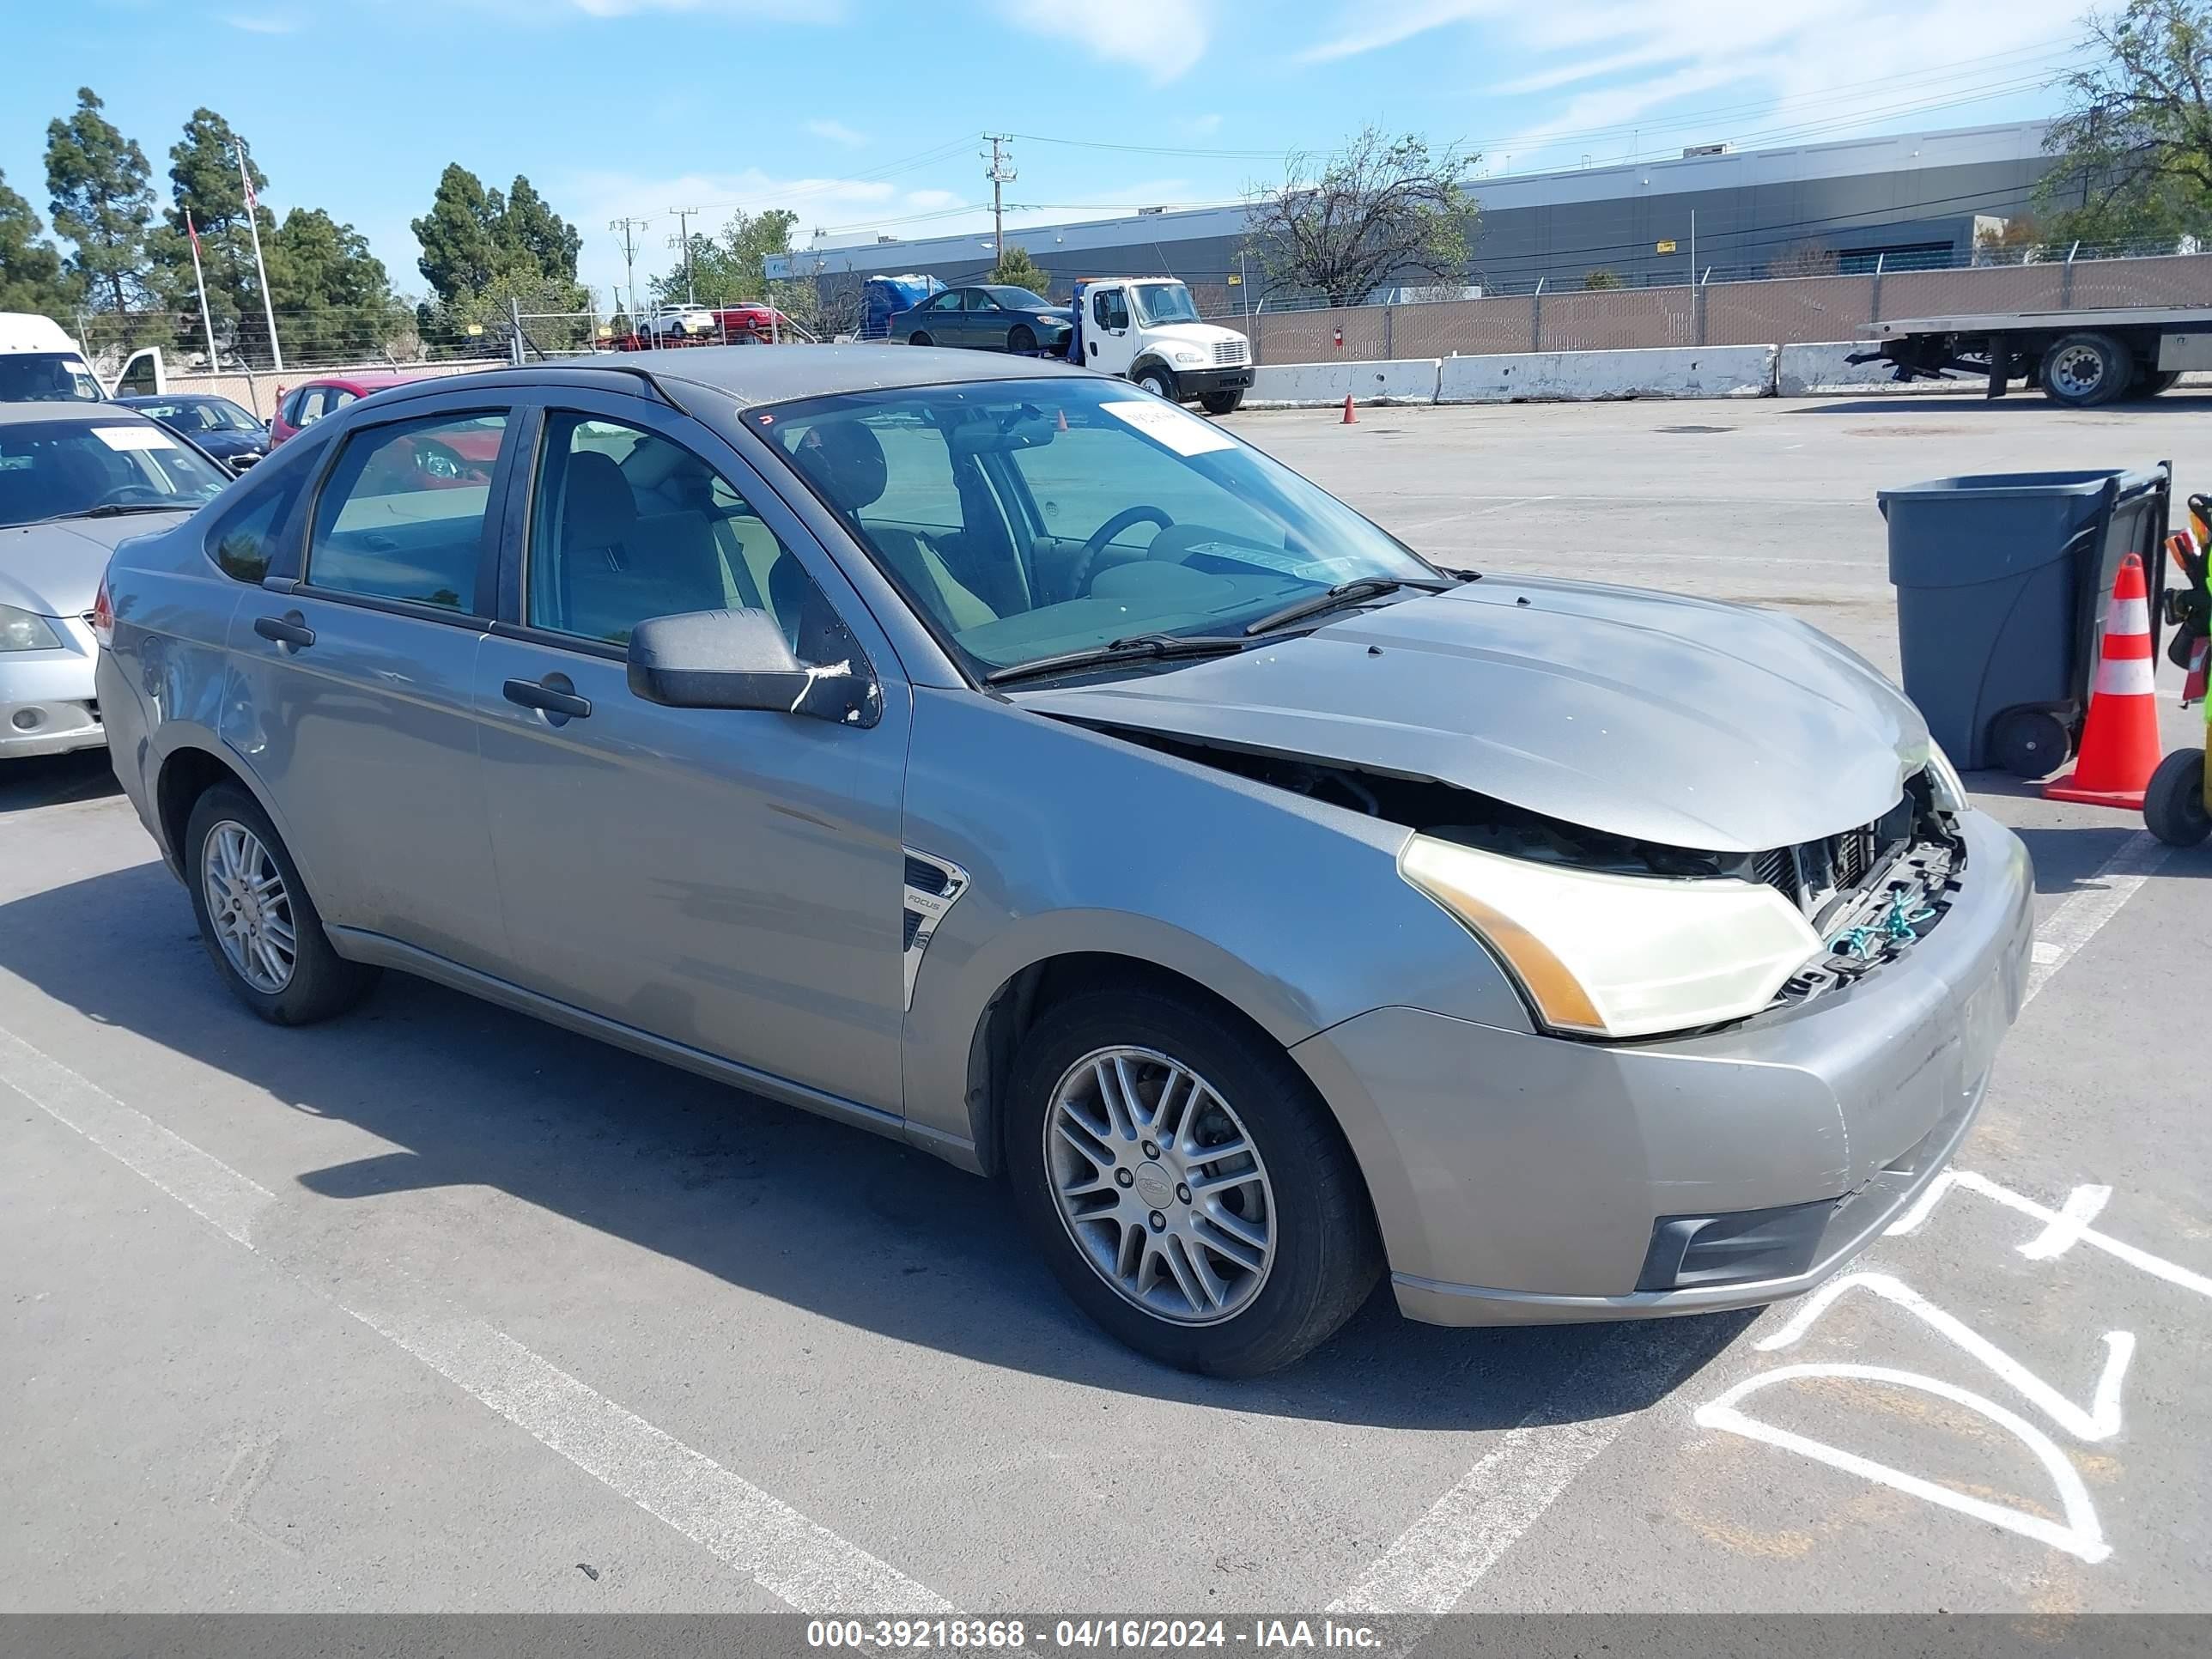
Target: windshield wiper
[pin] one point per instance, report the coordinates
(1360, 588)
(113, 510)
(1138, 647)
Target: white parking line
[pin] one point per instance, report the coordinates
(2076, 920)
(1433, 1564)
(803, 1564)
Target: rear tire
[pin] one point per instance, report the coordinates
(2086, 371)
(2159, 381)
(316, 983)
(919, 339)
(2174, 805)
(1209, 1314)
(1222, 402)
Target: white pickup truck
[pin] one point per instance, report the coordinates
(1147, 328)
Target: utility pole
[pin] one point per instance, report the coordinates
(630, 227)
(1000, 174)
(684, 238)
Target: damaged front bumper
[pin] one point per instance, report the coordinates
(1521, 1177)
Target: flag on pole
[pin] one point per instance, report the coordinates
(195, 238)
(260, 270)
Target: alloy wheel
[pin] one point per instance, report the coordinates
(249, 907)
(1157, 1181)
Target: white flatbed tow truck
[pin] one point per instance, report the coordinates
(2080, 358)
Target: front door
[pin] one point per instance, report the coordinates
(1109, 344)
(730, 880)
(356, 704)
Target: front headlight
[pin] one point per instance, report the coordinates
(1943, 782)
(1613, 956)
(26, 630)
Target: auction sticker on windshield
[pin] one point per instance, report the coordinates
(133, 437)
(1185, 434)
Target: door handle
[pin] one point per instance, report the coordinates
(282, 631)
(550, 699)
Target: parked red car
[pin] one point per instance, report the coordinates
(458, 458)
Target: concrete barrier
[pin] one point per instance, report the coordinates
(1801, 370)
(1578, 376)
(1319, 386)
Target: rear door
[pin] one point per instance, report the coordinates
(730, 880)
(356, 702)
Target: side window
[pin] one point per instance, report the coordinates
(243, 539)
(626, 524)
(402, 515)
(1110, 309)
(337, 399)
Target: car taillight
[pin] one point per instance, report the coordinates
(102, 619)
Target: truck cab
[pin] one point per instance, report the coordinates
(40, 363)
(1147, 328)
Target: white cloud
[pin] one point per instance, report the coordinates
(837, 132)
(1161, 39)
(1635, 58)
(263, 25)
(926, 201)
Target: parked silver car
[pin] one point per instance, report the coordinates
(75, 480)
(987, 753)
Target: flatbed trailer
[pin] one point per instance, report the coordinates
(2083, 359)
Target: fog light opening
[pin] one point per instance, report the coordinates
(27, 720)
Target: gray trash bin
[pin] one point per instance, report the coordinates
(2001, 581)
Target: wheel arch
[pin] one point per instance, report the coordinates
(188, 771)
(1023, 997)
(1153, 360)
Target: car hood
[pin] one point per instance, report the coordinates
(1201, 334)
(55, 568)
(1649, 715)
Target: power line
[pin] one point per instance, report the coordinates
(628, 228)
(683, 239)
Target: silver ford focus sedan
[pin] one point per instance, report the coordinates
(989, 754)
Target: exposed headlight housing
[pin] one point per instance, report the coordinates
(1604, 954)
(1187, 359)
(26, 630)
(1944, 786)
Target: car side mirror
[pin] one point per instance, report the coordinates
(739, 660)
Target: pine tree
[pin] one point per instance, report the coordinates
(31, 275)
(101, 201)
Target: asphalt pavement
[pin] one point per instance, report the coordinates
(436, 1308)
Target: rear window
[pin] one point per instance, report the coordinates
(402, 516)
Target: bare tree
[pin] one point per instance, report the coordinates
(1381, 207)
(2135, 145)
(1602, 279)
(1807, 258)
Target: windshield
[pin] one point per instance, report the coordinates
(46, 377)
(201, 415)
(1031, 519)
(59, 469)
(1019, 299)
(1161, 302)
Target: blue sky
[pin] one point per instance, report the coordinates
(860, 115)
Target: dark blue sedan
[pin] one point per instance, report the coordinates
(215, 424)
(987, 319)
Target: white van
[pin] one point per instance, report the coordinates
(40, 363)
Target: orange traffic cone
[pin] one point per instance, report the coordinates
(1063, 420)
(1349, 419)
(2119, 740)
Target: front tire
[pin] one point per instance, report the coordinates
(261, 929)
(1157, 382)
(1184, 1182)
(2086, 371)
(1022, 342)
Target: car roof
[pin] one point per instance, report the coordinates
(82, 414)
(751, 376)
(378, 379)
